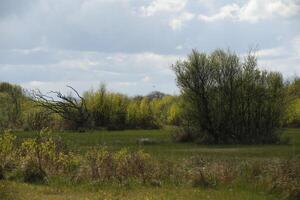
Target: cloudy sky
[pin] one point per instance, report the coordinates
(130, 44)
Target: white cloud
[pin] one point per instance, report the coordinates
(284, 59)
(177, 22)
(287, 66)
(73, 64)
(129, 73)
(177, 7)
(46, 86)
(255, 10)
(296, 45)
(157, 6)
(179, 47)
(271, 52)
(146, 79)
(122, 84)
(228, 11)
(30, 50)
(153, 60)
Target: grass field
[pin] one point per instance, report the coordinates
(163, 149)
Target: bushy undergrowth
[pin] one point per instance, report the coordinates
(276, 176)
(8, 152)
(46, 154)
(40, 158)
(101, 164)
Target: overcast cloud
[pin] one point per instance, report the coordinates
(130, 44)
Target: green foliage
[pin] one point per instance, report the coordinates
(45, 153)
(11, 97)
(140, 114)
(116, 111)
(104, 165)
(96, 109)
(231, 101)
(166, 110)
(38, 119)
(107, 109)
(8, 151)
(292, 114)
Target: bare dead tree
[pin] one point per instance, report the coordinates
(67, 106)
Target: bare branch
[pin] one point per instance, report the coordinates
(68, 107)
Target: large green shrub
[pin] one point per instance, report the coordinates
(229, 100)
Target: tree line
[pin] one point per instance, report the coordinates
(95, 109)
(224, 99)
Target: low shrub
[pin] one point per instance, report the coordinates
(191, 134)
(284, 177)
(101, 164)
(137, 165)
(38, 119)
(33, 173)
(183, 135)
(8, 153)
(207, 173)
(46, 152)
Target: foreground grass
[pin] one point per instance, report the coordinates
(19, 191)
(164, 149)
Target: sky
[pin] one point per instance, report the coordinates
(130, 45)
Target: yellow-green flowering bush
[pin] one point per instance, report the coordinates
(99, 163)
(44, 154)
(7, 151)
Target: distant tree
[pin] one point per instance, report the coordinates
(230, 101)
(140, 114)
(166, 110)
(98, 105)
(68, 107)
(107, 109)
(10, 104)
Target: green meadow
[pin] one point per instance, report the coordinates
(164, 147)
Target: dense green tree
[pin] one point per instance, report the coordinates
(230, 101)
(140, 114)
(98, 105)
(166, 110)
